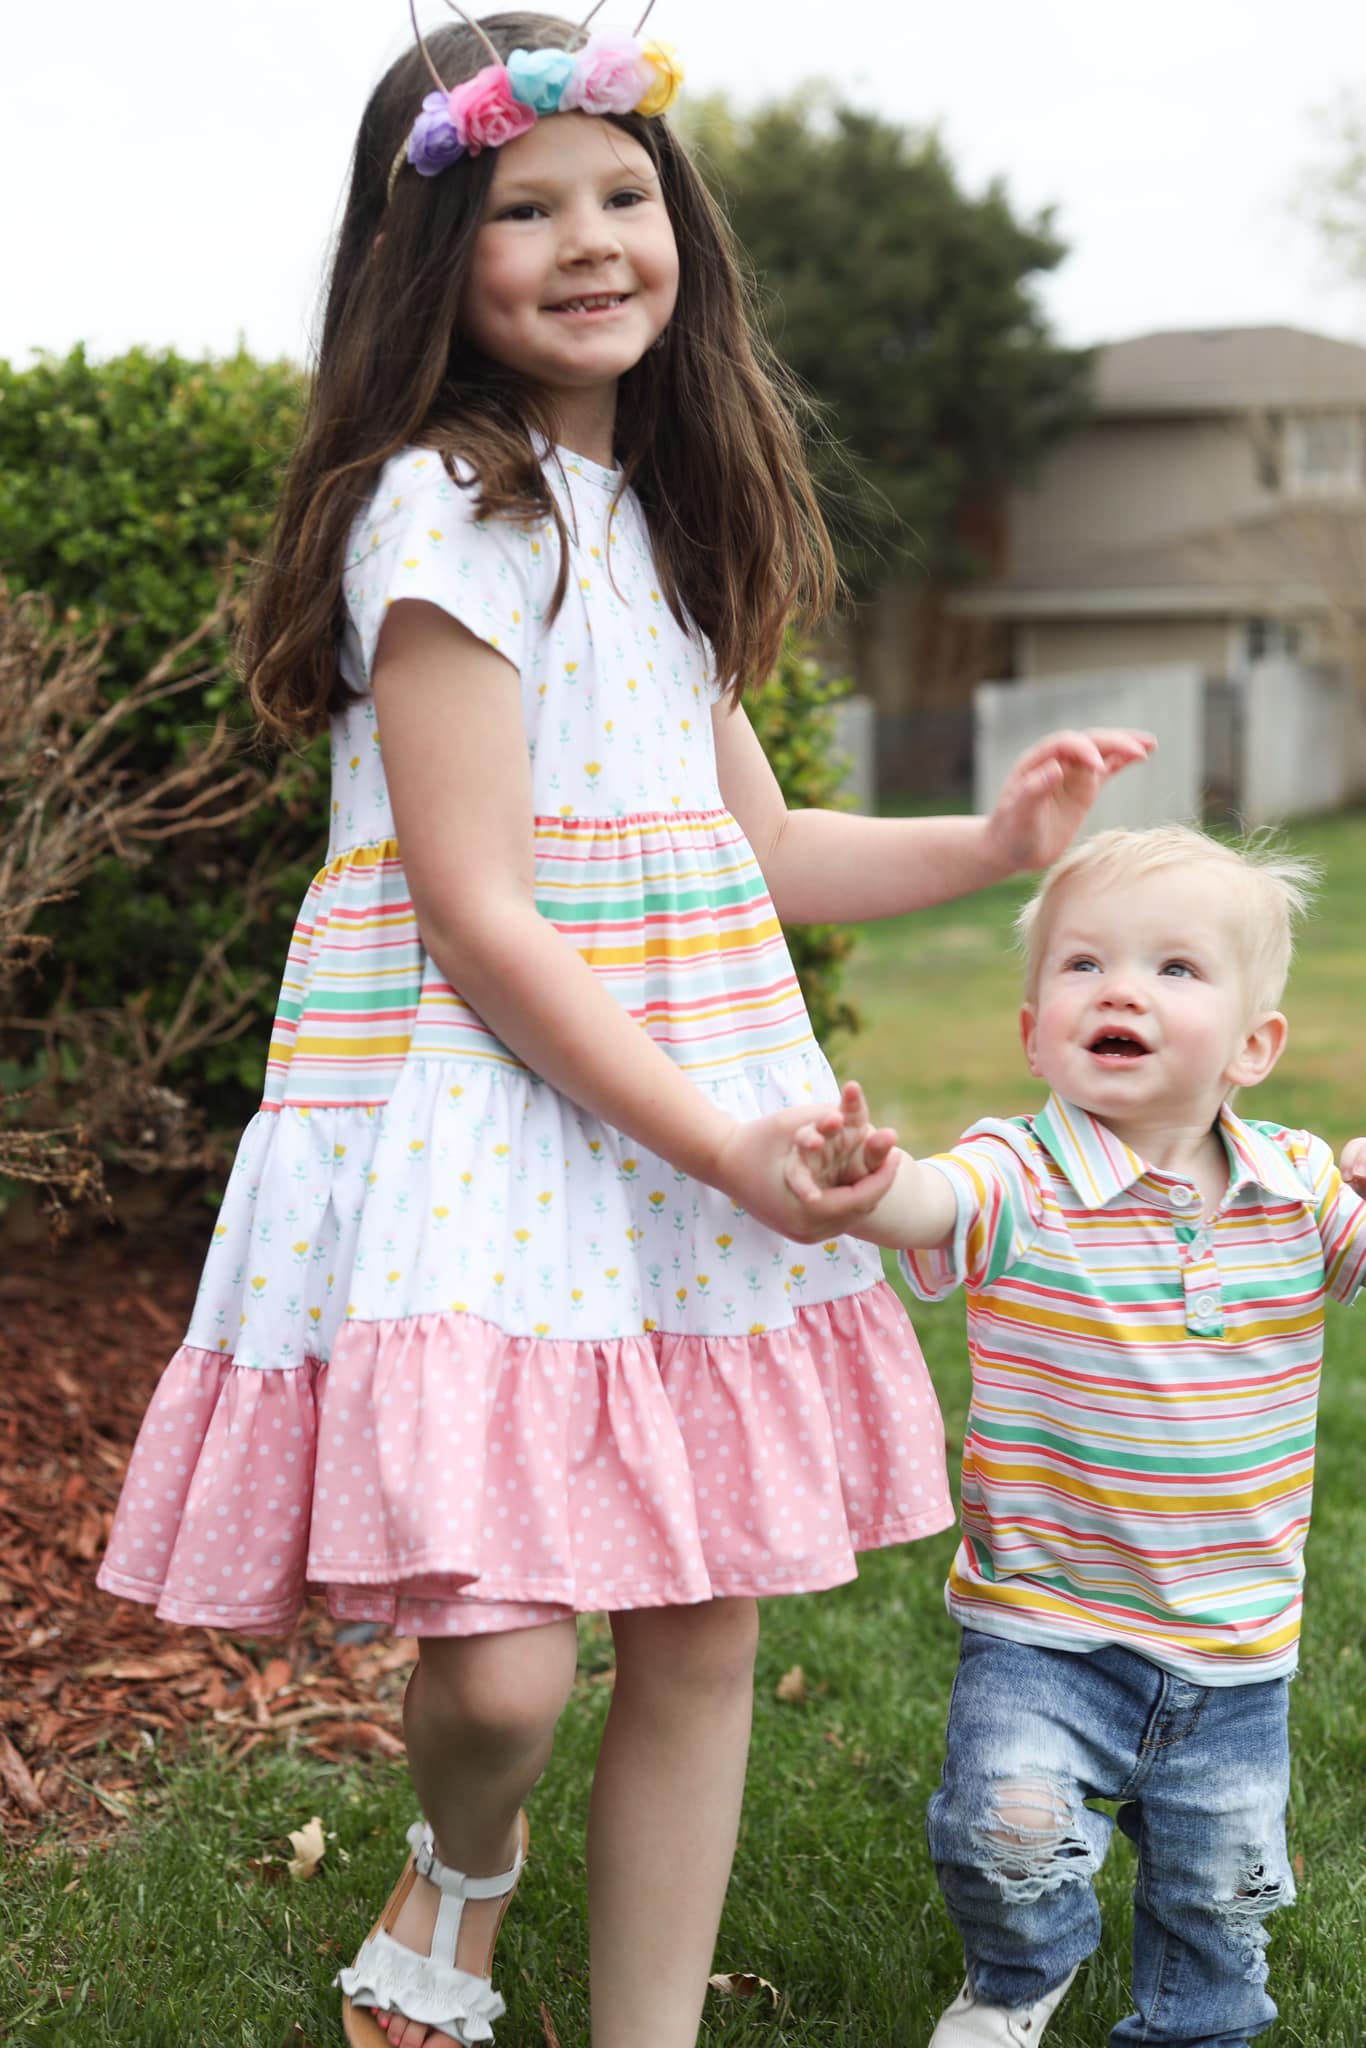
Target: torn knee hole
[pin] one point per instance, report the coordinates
(1033, 1842)
(1260, 1888)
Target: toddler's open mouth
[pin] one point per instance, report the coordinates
(1117, 1045)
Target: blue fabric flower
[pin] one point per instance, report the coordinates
(539, 77)
(435, 141)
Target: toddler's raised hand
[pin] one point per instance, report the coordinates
(838, 1147)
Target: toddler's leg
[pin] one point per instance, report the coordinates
(1014, 1847)
(479, 1718)
(664, 1816)
(1209, 1824)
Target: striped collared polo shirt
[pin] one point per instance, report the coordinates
(1139, 1458)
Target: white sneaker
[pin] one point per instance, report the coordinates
(969, 2023)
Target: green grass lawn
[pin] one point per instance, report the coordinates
(168, 1936)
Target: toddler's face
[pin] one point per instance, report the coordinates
(1142, 1006)
(574, 271)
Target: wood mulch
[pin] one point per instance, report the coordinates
(91, 1687)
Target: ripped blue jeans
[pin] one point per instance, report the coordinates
(1203, 1774)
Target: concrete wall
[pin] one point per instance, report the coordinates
(1168, 701)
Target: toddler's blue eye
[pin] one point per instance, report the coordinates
(1083, 966)
(1179, 967)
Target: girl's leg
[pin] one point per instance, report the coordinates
(664, 1816)
(479, 1718)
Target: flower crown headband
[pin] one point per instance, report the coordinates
(609, 73)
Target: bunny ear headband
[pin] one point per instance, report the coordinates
(609, 73)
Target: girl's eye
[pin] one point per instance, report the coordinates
(627, 199)
(525, 209)
(1182, 968)
(1083, 964)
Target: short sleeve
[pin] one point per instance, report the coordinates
(995, 1178)
(421, 538)
(1340, 1214)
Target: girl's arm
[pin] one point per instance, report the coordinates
(839, 1145)
(828, 867)
(455, 756)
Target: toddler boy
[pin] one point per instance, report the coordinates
(1145, 1274)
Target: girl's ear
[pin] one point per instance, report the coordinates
(1259, 1053)
(1029, 1031)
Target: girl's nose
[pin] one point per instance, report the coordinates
(589, 237)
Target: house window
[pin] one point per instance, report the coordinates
(1325, 455)
(1266, 639)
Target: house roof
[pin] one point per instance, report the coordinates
(1300, 557)
(1228, 369)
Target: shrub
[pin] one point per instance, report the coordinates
(793, 716)
(125, 487)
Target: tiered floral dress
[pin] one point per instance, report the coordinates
(462, 1355)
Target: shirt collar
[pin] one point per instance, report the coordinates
(1100, 1166)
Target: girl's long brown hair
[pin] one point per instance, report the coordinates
(705, 432)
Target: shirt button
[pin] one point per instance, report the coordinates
(1204, 1304)
(1184, 1197)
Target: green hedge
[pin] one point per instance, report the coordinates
(125, 487)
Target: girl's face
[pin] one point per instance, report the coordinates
(575, 268)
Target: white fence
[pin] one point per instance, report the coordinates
(1169, 701)
(1299, 745)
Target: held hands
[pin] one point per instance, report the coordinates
(1051, 788)
(762, 1167)
(837, 1147)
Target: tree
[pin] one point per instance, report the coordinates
(906, 307)
(1334, 189)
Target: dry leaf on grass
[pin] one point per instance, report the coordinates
(792, 1686)
(743, 1984)
(309, 1848)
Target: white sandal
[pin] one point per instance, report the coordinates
(387, 1977)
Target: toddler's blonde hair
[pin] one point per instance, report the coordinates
(1272, 889)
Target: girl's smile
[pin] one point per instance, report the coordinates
(574, 272)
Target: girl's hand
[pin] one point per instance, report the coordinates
(752, 1169)
(1353, 1165)
(838, 1148)
(1051, 788)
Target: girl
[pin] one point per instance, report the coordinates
(505, 1320)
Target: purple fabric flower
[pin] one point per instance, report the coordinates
(435, 141)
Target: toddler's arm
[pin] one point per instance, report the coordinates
(1353, 1165)
(839, 1146)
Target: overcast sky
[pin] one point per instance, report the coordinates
(172, 170)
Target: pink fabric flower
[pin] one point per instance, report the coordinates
(610, 76)
(484, 111)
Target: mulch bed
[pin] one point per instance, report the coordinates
(90, 1686)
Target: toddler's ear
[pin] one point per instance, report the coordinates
(1260, 1051)
(1029, 1031)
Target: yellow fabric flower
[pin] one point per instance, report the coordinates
(668, 70)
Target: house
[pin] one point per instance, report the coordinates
(1212, 511)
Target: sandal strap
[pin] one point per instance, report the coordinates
(454, 1883)
(390, 1978)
